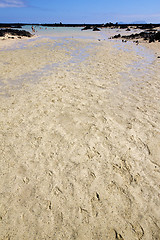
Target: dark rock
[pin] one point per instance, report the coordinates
(8, 25)
(146, 26)
(137, 42)
(97, 195)
(117, 36)
(151, 39)
(96, 29)
(14, 32)
(110, 24)
(86, 28)
(123, 26)
(148, 36)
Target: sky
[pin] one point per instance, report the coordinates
(83, 11)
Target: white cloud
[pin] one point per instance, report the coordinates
(11, 3)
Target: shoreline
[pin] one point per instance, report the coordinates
(9, 39)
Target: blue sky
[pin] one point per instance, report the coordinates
(75, 11)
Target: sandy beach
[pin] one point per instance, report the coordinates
(80, 139)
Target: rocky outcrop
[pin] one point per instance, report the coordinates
(96, 29)
(14, 32)
(86, 28)
(150, 36)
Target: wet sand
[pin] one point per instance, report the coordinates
(80, 141)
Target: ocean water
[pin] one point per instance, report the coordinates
(62, 32)
(75, 32)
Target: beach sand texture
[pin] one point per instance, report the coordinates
(80, 141)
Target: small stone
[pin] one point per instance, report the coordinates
(26, 180)
(97, 195)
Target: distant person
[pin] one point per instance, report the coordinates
(33, 30)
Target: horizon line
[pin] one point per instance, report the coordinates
(60, 23)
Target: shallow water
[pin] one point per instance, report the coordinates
(63, 37)
(78, 54)
(139, 69)
(62, 32)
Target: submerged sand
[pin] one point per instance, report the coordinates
(80, 141)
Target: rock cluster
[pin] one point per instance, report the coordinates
(15, 32)
(150, 36)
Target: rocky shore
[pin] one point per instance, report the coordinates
(14, 33)
(150, 36)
